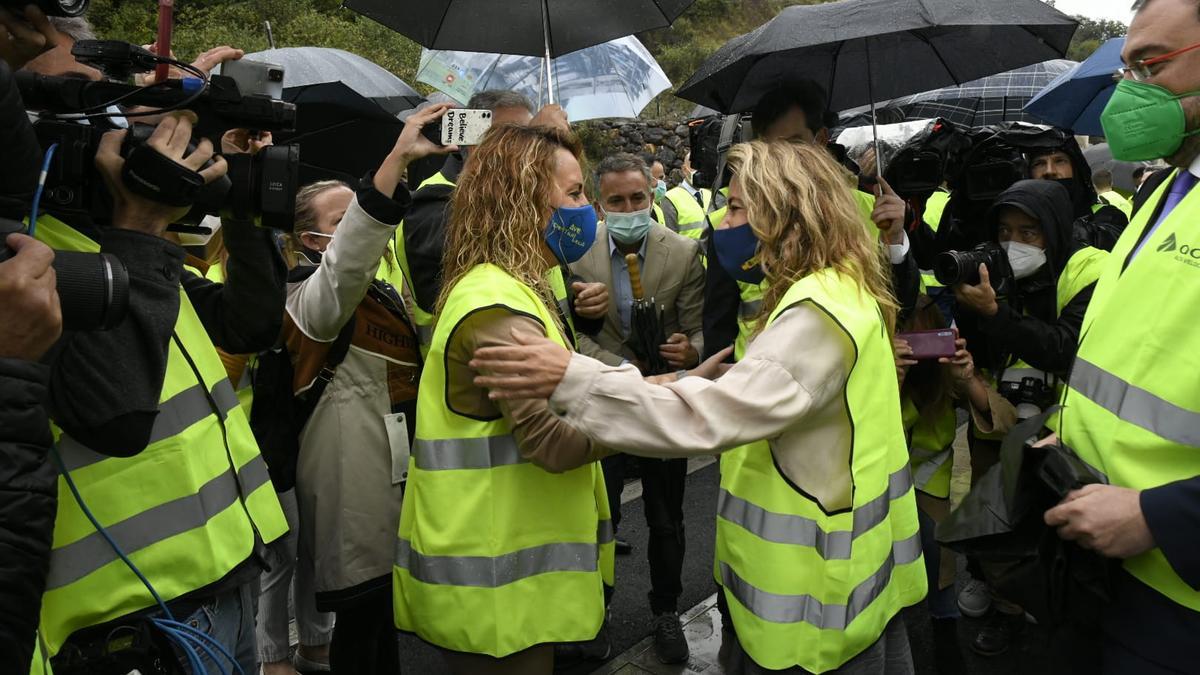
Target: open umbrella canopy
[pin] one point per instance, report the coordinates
(978, 103)
(1076, 99)
(529, 27)
(317, 65)
(341, 133)
(905, 46)
(615, 79)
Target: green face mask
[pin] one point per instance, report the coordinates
(1144, 121)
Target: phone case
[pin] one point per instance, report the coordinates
(930, 344)
(462, 126)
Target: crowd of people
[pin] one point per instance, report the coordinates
(416, 410)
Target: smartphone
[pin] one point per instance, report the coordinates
(464, 126)
(254, 77)
(930, 344)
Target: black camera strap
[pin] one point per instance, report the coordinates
(154, 176)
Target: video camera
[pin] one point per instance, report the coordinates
(51, 7)
(261, 187)
(962, 267)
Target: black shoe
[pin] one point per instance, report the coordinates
(624, 547)
(567, 655)
(669, 643)
(997, 634)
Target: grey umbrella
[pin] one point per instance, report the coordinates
(979, 103)
(305, 66)
(523, 27)
(865, 51)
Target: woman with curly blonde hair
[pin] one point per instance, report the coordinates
(818, 544)
(505, 537)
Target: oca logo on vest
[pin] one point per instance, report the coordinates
(1186, 254)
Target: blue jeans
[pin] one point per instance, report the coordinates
(229, 619)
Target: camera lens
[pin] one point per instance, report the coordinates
(93, 289)
(956, 267)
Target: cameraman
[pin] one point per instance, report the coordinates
(30, 321)
(1046, 280)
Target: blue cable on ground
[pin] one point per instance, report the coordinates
(41, 186)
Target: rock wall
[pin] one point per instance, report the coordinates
(667, 140)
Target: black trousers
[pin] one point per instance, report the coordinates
(662, 495)
(364, 638)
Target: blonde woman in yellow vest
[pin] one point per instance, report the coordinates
(818, 543)
(505, 540)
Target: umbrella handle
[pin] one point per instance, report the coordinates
(635, 276)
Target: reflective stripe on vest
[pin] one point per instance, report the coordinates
(928, 463)
(689, 213)
(1131, 409)
(486, 553)
(783, 528)
(750, 309)
(785, 609)
(175, 415)
(76, 560)
(449, 454)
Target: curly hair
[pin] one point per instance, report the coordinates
(799, 203)
(501, 206)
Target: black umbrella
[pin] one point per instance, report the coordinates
(864, 51)
(342, 135)
(646, 333)
(319, 65)
(523, 27)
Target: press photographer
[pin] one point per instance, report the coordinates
(148, 404)
(1026, 289)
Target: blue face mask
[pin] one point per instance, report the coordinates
(660, 191)
(571, 231)
(737, 251)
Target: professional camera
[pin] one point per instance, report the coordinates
(704, 139)
(962, 267)
(93, 288)
(261, 188)
(51, 7)
(1029, 395)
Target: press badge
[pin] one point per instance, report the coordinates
(397, 431)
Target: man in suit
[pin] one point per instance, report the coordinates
(673, 276)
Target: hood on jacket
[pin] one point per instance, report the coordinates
(1049, 203)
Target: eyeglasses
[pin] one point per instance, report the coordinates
(1140, 70)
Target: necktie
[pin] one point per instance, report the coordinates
(699, 198)
(1179, 189)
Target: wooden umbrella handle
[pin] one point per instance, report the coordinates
(635, 276)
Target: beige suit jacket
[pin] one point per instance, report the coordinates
(672, 275)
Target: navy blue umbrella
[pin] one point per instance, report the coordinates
(1075, 100)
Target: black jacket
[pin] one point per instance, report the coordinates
(28, 490)
(425, 242)
(1026, 325)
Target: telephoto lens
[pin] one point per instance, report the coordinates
(93, 288)
(50, 7)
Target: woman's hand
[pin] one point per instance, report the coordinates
(903, 351)
(532, 370)
(714, 366)
(961, 365)
(411, 146)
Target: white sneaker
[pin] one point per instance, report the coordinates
(974, 600)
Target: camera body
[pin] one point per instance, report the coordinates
(1029, 395)
(260, 188)
(962, 267)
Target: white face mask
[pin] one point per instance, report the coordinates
(213, 224)
(1025, 259)
(628, 228)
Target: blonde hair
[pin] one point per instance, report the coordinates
(799, 203)
(500, 206)
(307, 216)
